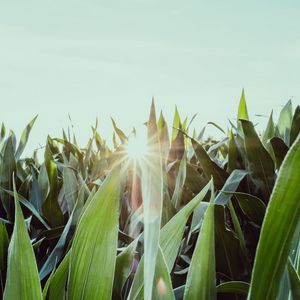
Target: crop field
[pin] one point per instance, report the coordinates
(168, 215)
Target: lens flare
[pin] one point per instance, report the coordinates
(136, 148)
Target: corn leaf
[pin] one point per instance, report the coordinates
(294, 280)
(93, 254)
(22, 280)
(201, 278)
(278, 228)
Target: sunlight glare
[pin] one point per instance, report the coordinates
(136, 148)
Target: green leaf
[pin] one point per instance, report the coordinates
(230, 260)
(259, 162)
(280, 150)
(231, 185)
(163, 136)
(58, 282)
(294, 280)
(285, 122)
(94, 247)
(201, 278)
(70, 188)
(253, 207)
(270, 130)
(172, 232)
(210, 168)
(176, 124)
(179, 183)
(232, 154)
(242, 110)
(278, 228)
(24, 138)
(170, 239)
(57, 252)
(3, 246)
(295, 128)
(152, 192)
(162, 286)
(22, 280)
(7, 168)
(123, 267)
(237, 287)
(119, 132)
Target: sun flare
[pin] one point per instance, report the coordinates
(136, 148)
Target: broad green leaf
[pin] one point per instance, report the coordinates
(210, 168)
(172, 232)
(253, 207)
(22, 280)
(57, 252)
(201, 278)
(231, 185)
(294, 280)
(170, 239)
(259, 162)
(162, 285)
(278, 228)
(242, 110)
(238, 287)
(58, 282)
(93, 256)
(24, 138)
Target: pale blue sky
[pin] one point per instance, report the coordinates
(108, 58)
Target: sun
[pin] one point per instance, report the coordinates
(136, 148)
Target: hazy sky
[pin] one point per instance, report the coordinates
(108, 58)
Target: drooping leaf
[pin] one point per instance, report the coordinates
(231, 185)
(259, 162)
(210, 168)
(278, 228)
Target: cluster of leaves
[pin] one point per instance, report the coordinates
(200, 219)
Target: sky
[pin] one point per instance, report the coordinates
(91, 59)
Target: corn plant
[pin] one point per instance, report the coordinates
(171, 216)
